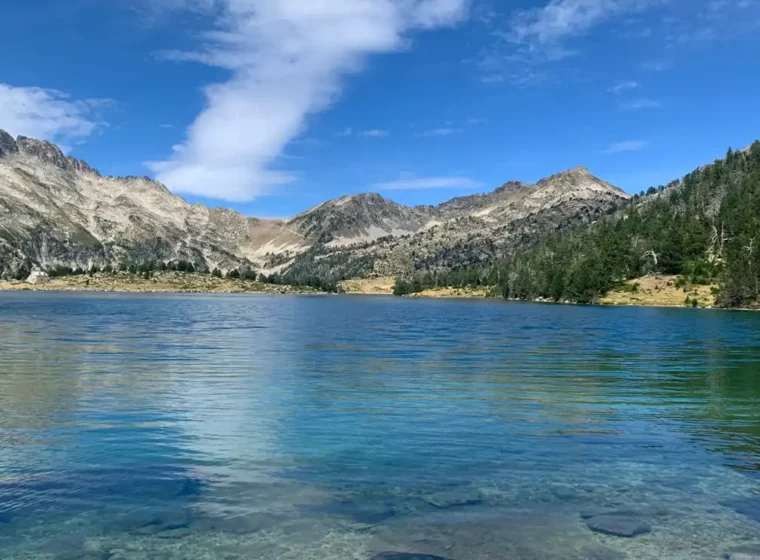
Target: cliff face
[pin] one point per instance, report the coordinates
(56, 210)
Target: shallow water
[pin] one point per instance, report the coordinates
(244, 427)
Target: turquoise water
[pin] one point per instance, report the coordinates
(146, 427)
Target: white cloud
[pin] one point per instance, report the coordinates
(545, 27)
(642, 103)
(625, 85)
(288, 59)
(426, 183)
(49, 114)
(627, 146)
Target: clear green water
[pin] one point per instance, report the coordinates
(329, 428)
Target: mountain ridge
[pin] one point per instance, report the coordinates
(56, 210)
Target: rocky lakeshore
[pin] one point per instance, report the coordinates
(158, 282)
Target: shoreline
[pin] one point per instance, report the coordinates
(158, 283)
(652, 292)
(8, 287)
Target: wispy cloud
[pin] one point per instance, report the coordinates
(657, 65)
(547, 26)
(288, 59)
(374, 133)
(627, 146)
(351, 132)
(426, 183)
(533, 40)
(641, 103)
(624, 85)
(443, 131)
(50, 114)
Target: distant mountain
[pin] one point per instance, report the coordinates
(56, 211)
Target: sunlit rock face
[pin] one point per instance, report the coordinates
(56, 210)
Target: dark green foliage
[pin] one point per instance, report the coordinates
(402, 287)
(22, 273)
(458, 278)
(216, 273)
(324, 268)
(249, 275)
(705, 228)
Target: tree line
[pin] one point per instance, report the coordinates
(704, 227)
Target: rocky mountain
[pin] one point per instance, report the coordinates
(466, 231)
(56, 211)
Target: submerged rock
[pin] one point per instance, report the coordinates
(454, 497)
(595, 511)
(636, 511)
(618, 525)
(564, 491)
(150, 529)
(175, 518)
(177, 533)
(239, 524)
(406, 556)
(368, 513)
(162, 523)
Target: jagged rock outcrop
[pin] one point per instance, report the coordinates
(56, 210)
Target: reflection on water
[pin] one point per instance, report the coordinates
(328, 428)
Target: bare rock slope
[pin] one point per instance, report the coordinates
(56, 210)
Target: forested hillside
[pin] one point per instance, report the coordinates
(705, 227)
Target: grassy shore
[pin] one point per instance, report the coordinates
(660, 291)
(648, 291)
(159, 282)
(651, 291)
(384, 286)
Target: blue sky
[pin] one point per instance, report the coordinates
(272, 106)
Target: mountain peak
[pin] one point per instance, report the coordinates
(362, 198)
(41, 150)
(577, 179)
(578, 171)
